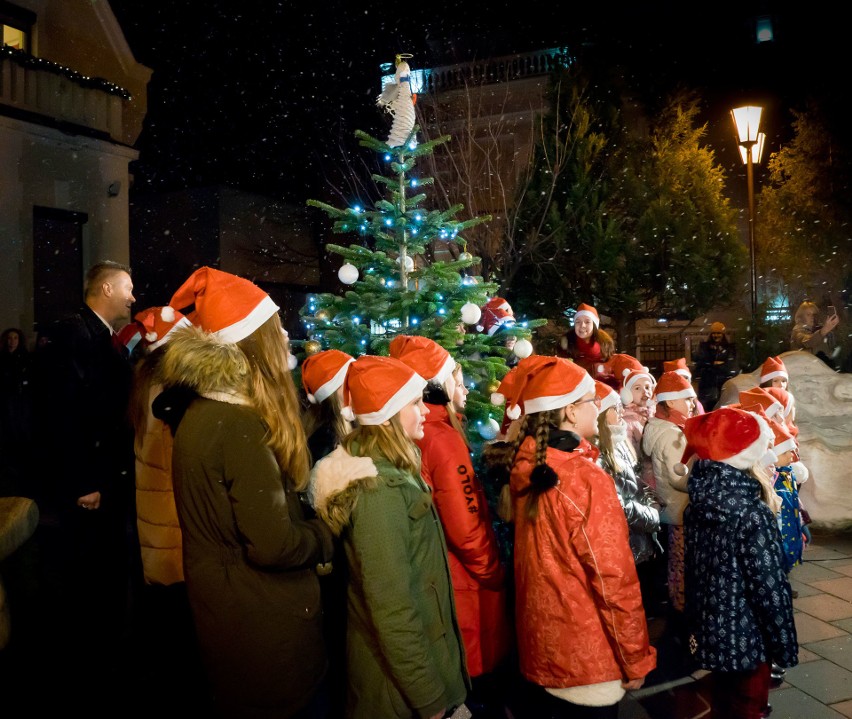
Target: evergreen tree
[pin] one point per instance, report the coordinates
(802, 226)
(397, 287)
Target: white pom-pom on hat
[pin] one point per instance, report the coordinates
(151, 336)
(523, 348)
(498, 398)
(513, 412)
(311, 398)
(167, 314)
(292, 361)
(347, 414)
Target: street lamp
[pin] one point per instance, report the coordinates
(750, 141)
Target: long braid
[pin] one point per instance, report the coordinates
(543, 477)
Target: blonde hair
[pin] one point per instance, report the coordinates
(806, 306)
(273, 394)
(607, 445)
(384, 441)
(766, 479)
(451, 408)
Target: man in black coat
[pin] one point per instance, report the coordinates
(88, 443)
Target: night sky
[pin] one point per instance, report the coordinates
(264, 98)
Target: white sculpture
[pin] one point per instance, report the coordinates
(824, 418)
(398, 100)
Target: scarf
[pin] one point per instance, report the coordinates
(673, 416)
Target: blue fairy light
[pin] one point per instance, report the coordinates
(389, 222)
(414, 182)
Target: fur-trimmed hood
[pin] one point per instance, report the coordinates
(201, 362)
(336, 480)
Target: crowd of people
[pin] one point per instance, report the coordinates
(322, 547)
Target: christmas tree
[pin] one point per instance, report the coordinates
(394, 286)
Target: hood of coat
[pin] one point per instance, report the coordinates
(201, 362)
(524, 464)
(336, 481)
(720, 493)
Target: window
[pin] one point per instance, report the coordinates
(17, 24)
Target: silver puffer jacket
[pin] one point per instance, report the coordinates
(637, 499)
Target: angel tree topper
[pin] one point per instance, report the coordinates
(398, 100)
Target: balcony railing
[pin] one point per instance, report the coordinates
(64, 97)
(493, 70)
(483, 72)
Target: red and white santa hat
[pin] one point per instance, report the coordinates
(585, 310)
(759, 396)
(425, 356)
(608, 396)
(323, 373)
(784, 397)
(679, 365)
(377, 388)
(631, 378)
(159, 323)
(495, 314)
(773, 367)
(505, 389)
(544, 383)
(732, 436)
(228, 306)
(673, 385)
(621, 365)
(784, 441)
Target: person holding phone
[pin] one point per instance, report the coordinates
(814, 334)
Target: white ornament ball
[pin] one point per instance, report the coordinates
(465, 257)
(489, 429)
(470, 313)
(409, 262)
(348, 274)
(523, 348)
(292, 362)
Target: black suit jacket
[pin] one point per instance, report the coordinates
(85, 410)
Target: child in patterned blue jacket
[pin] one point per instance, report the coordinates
(739, 606)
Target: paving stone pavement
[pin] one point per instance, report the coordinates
(820, 687)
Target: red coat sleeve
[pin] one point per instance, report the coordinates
(461, 504)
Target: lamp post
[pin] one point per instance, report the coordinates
(750, 141)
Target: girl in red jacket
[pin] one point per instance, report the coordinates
(478, 577)
(582, 634)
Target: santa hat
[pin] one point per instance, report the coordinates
(425, 356)
(632, 377)
(495, 316)
(505, 389)
(784, 442)
(159, 323)
(622, 365)
(377, 388)
(731, 436)
(323, 373)
(498, 303)
(773, 367)
(228, 306)
(130, 335)
(758, 395)
(585, 310)
(673, 385)
(784, 397)
(679, 366)
(545, 383)
(608, 396)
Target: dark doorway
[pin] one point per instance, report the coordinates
(57, 263)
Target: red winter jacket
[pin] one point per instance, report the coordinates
(478, 576)
(579, 614)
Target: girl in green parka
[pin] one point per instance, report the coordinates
(404, 651)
